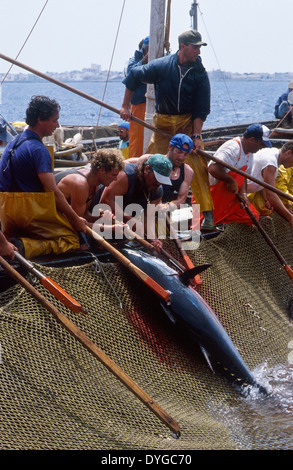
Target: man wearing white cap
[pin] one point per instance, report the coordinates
(224, 183)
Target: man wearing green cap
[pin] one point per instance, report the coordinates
(139, 184)
(182, 91)
(181, 175)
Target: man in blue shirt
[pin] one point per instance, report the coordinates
(282, 105)
(32, 206)
(182, 94)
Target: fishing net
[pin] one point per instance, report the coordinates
(55, 395)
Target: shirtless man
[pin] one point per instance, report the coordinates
(79, 186)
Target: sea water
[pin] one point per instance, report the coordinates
(259, 423)
(232, 101)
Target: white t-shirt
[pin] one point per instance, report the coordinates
(260, 160)
(232, 152)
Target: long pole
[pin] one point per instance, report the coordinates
(193, 14)
(93, 348)
(280, 257)
(78, 92)
(139, 121)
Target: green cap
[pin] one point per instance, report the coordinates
(191, 37)
(161, 167)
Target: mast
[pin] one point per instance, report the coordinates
(156, 49)
(193, 14)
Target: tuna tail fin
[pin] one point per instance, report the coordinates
(191, 273)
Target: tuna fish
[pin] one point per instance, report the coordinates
(188, 309)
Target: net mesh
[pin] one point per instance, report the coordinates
(55, 395)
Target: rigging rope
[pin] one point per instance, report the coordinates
(219, 65)
(39, 16)
(107, 80)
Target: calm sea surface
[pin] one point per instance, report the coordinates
(233, 101)
(270, 421)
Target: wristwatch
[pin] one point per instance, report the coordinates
(195, 136)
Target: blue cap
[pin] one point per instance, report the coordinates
(146, 41)
(124, 124)
(178, 140)
(259, 132)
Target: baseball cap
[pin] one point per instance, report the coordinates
(260, 132)
(178, 140)
(124, 124)
(191, 37)
(4, 134)
(161, 167)
(290, 85)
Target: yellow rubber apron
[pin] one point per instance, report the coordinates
(176, 124)
(33, 218)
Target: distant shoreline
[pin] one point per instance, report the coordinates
(80, 76)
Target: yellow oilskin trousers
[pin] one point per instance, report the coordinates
(258, 203)
(284, 182)
(182, 124)
(33, 218)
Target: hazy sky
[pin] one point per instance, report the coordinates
(242, 35)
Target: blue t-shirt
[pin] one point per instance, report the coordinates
(30, 157)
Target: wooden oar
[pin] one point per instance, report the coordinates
(246, 175)
(186, 260)
(80, 93)
(50, 285)
(165, 295)
(152, 249)
(285, 265)
(93, 349)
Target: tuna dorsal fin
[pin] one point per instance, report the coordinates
(190, 273)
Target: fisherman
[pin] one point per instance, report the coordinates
(33, 208)
(282, 105)
(181, 175)
(80, 185)
(7, 249)
(123, 131)
(138, 101)
(5, 135)
(225, 183)
(182, 91)
(140, 184)
(264, 167)
(284, 182)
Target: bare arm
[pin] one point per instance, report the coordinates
(197, 124)
(184, 188)
(273, 198)
(125, 112)
(218, 172)
(116, 188)
(6, 248)
(49, 184)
